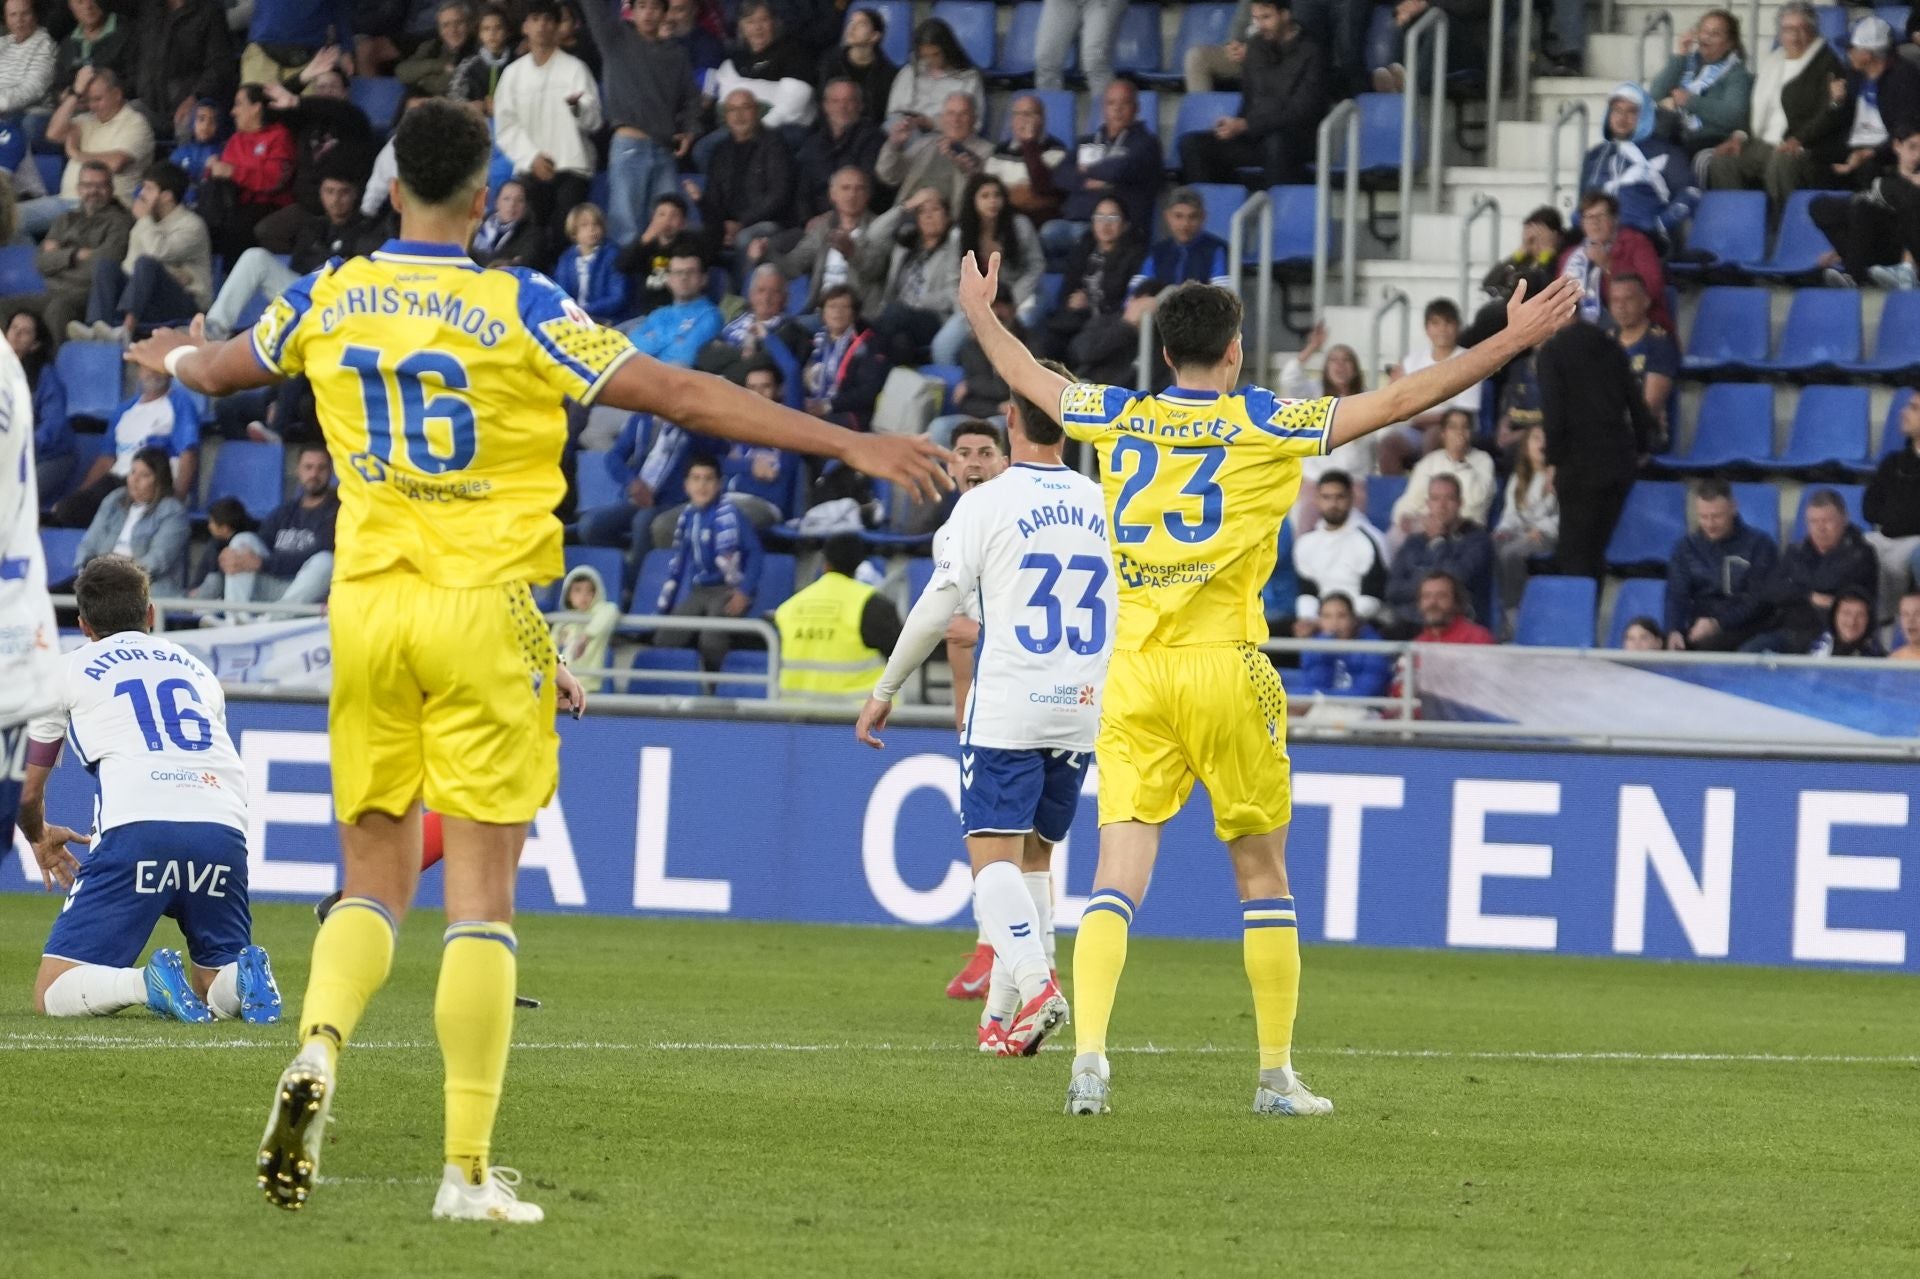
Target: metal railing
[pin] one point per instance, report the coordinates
(1143, 362)
(1568, 111)
(1261, 204)
(1523, 72)
(1483, 206)
(1345, 115)
(1433, 21)
(1660, 20)
(1496, 67)
(647, 623)
(164, 604)
(1390, 298)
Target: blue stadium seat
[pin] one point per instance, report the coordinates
(898, 15)
(1822, 333)
(744, 662)
(678, 660)
(1197, 113)
(1556, 612)
(13, 143)
(1829, 430)
(253, 471)
(1895, 16)
(1800, 244)
(1896, 350)
(1727, 227)
(17, 272)
(1149, 112)
(51, 167)
(600, 190)
(60, 546)
(776, 582)
(651, 578)
(1380, 121)
(92, 373)
(1223, 198)
(1382, 492)
(1852, 494)
(1051, 285)
(1200, 24)
(1653, 520)
(1060, 111)
(380, 97)
(1759, 505)
(919, 573)
(594, 485)
(1730, 331)
(1891, 440)
(1294, 211)
(950, 376)
(1833, 27)
(972, 23)
(1022, 40)
(1136, 45)
(1735, 428)
(1638, 597)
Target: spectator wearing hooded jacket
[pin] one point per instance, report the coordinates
(1715, 577)
(1647, 175)
(715, 569)
(1832, 560)
(1333, 674)
(583, 644)
(1794, 137)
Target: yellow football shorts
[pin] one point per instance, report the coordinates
(1214, 713)
(440, 693)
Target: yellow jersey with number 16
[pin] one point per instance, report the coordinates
(441, 391)
(1196, 484)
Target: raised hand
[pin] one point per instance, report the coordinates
(977, 290)
(913, 462)
(1534, 320)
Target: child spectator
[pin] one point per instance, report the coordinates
(1643, 636)
(479, 75)
(204, 144)
(1909, 650)
(583, 644)
(587, 271)
(227, 519)
(646, 261)
(1345, 674)
(760, 481)
(1849, 629)
(1403, 444)
(716, 559)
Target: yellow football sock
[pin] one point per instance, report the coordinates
(1272, 948)
(351, 955)
(473, 1013)
(1099, 955)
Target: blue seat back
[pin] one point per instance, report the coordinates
(1652, 522)
(1730, 226)
(744, 662)
(898, 15)
(1891, 440)
(1897, 345)
(1730, 328)
(18, 274)
(1200, 25)
(1638, 597)
(972, 23)
(1136, 43)
(1735, 426)
(950, 376)
(13, 144)
(648, 582)
(1294, 211)
(1382, 492)
(1798, 248)
(776, 582)
(1833, 26)
(1222, 199)
(1829, 426)
(52, 168)
(61, 546)
(677, 660)
(1556, 612)
(93, 374)
(919, 573)
(253, 471)
(380, 97)
(1759, 505)
(595, 486)
(1823, 327)
(1380, 124)
(1197, 113)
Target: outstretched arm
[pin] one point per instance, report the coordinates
(1530, 321)
(1023, 374)
(211, 368)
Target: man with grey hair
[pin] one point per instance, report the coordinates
(749, 192)
(742, 343)
(943, 159)
(96, 228)
(1794, 132)
(429, 72)
(830, 245)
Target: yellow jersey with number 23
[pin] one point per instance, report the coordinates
(441, 390)
(1196, 485)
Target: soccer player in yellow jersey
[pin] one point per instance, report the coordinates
(1197, 480)
(440, 389)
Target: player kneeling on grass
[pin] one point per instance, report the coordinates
(149, 720)
(1032, 545)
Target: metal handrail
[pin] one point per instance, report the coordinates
(1260, 203)
(1345, 114)
(1483, 204)
(1654, 23)
(1142, 371)
(1434, 20)
(1496, 67)
(1568, 110)
(1523, 73)
(182, 604)
(1390, 298)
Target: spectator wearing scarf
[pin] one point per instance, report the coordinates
(1705, 90)
(1648, 175)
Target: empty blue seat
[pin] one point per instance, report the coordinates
(1896, 349)
(1294, 212)
(1758, 502)
(1060, 114)
(1200, 24)
(1735, 428)
(1556, 612)
(1197, 113)
(678, 660)
(52, 168)
(1822, 333)
(1829, 429)
(596, 486)
(17, 271)
(1833, 26)
(1638, 597)
(744, 662)
(1136, 44)
(1652, 521)
(13, 143)
(776, 582)
(380, 97)
(919, 573)
(1727, 227)
(253, 471)
(1222, 199)
(1851, 494)
(1382, 492)
(972, 23)
(1891, 440)
(1022, 41)
(92, 372)
(61, 546)
(1799, 246)
(1730, 331)
(1380, 122)
(651, 579)
(897, 44)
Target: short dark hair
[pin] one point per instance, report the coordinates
(1337, 478)
(539, 9)
(1447, 477)
(1197, 322)
(974, 426)
(875, 16)
(313, 446)
(1337, 597)
(441, 150)
(170, 178)
(1457, 411)
(763, 366)
(840, 291)
(112, 595)
(1630, 277)
(232, 512)
(1546, 216)
(1645, 622)
(155, 459)
(1827, 498)
(699, 460)
(1713, 488)
(1596, 198)
(1441, 575)
(843, 552)
(1441, 309)
(254, 93)
(674, 198)
(1036, 424)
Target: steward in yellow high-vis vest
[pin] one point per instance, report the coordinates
(835, 635)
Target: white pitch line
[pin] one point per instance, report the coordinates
(28, 1041)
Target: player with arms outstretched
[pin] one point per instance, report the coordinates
(1197, 480)
(440, 388)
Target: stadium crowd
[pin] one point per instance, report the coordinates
(760, 189)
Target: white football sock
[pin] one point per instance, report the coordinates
(1007, 913)
(979, 924)
(93, 990)
(224, 995)
(1003, 994)
(1040, 888)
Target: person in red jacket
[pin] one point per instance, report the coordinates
(252, 176)
(1443, 618)
(1607, 249)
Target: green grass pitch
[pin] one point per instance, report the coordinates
(717, 1099)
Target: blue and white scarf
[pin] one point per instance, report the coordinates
(1703, 78)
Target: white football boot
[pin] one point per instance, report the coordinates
(1088, 1091)
(1282, 1092)
(497, 1199)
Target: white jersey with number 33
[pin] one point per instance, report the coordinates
(1030, 548)
(150, 721)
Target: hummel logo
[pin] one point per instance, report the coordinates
(966, 769)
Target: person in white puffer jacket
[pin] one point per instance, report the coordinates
(1344, 554)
